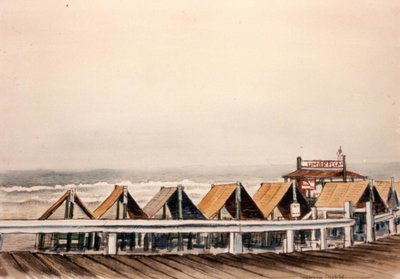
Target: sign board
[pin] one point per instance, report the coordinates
(295, 209)
(308, 184)
(322, 164)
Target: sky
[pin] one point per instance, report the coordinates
(141, 84)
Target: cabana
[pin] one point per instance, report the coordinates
(110, 208)
(335, 194)
(388, 193)
(70, 241)
(171, 203)
(274, 200)
(121, 205)
(229, 201)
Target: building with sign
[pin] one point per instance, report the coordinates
(311, 175)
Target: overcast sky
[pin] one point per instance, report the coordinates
(127, 84)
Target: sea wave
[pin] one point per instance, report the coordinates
(136, 185)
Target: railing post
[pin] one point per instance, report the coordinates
(290, 241)
(235, 243)
(112, 244)
(392, 224)
(323, 242)
(348, 230)
(314, 216)
(370, 222)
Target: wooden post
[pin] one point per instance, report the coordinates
(238, 200)
(299, 163)
(348, 230)
(323, 241)
(164, 211)
(125, 203)
(344, 169)
(180, 216)
(392, 224)
(290, 241)
(314, 216)
(370, 222)
(112, 244)
(235, 243)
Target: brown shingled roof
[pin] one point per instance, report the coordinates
(279, 195)
(334, 194)
(169, 196)
(313, 173)
(134, 211)
(389, 196)
(224, 195)
(158, 201)
(60, 201)
(269, 195)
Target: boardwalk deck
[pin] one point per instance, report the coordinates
(374, 260)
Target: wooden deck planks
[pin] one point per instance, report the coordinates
(95, 268)
(123, 269)
(372, 260)
(33, 266)
(144, 268)
(161, 266)
(63, 266)
(206, 269)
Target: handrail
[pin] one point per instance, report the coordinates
(163, 226)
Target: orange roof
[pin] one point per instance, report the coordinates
(215, 199)
(335, 194)
(383, 188)
(269, 195)
(60, 201)
(134, 211)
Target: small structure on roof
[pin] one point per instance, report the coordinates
(389, 194)
(335, 194)
(70, 198)
(110, 208)
(232, 199)
(275, 198)
(172, 203)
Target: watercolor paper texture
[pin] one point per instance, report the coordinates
(118, 118)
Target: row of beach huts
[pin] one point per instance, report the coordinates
(273, 201)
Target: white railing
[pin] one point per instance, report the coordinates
(165, 226)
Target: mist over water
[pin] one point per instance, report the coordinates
(27, 194)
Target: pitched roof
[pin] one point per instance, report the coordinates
(134, 211)
(224, 195)
(269, 195)
(313, 173)
(169, 196)
(334, 194)
(215, 199)
(158, 201)
(60, 201)
(383, 188)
